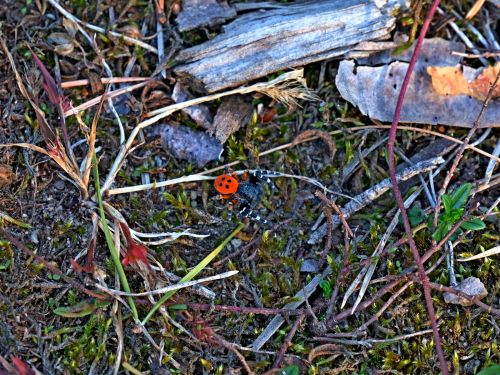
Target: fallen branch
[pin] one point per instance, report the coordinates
(368, 196)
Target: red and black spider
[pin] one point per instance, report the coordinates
(247, 194)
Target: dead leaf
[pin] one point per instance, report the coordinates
(450, 80)
(375, 89)
(234, 112)
(188, 144)
(268, 115)
(481, 85)
(7, 176)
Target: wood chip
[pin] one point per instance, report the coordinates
(234, 112)
(375, 90)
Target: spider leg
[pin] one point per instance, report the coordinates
(263, 175)
(246, 211)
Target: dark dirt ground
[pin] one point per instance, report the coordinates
(268, 259)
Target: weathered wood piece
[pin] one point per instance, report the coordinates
(197, 13)
(375, 89)
(259, 43)
(233, 112)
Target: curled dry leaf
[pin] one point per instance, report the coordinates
(326, 349)
(7, 176)
(450, 80)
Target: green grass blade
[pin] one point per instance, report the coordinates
(109, 240)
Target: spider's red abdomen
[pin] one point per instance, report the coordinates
(226, 184)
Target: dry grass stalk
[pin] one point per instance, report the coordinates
(474, 9)
(169, 288)
(104, 81)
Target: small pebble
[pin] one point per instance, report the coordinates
(236, 243)
(59, 185)
(309, 266)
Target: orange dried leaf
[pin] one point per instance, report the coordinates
(7, 176)
(481, 85)
(448, 80)
(269, 115)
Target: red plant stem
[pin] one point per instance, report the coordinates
(288, 341)
(397, 193)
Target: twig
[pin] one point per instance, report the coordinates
(110, 95)
(203, 177)
(464, 38)
(232, 347)
(369, 270)
(386, 305)
(370, 342)
(397, 193)
(247, 310)
(476, 56)
(278, 320)
(288, 341)
(337, 210)
(368, 196)
(340, 278)
(473, 299)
